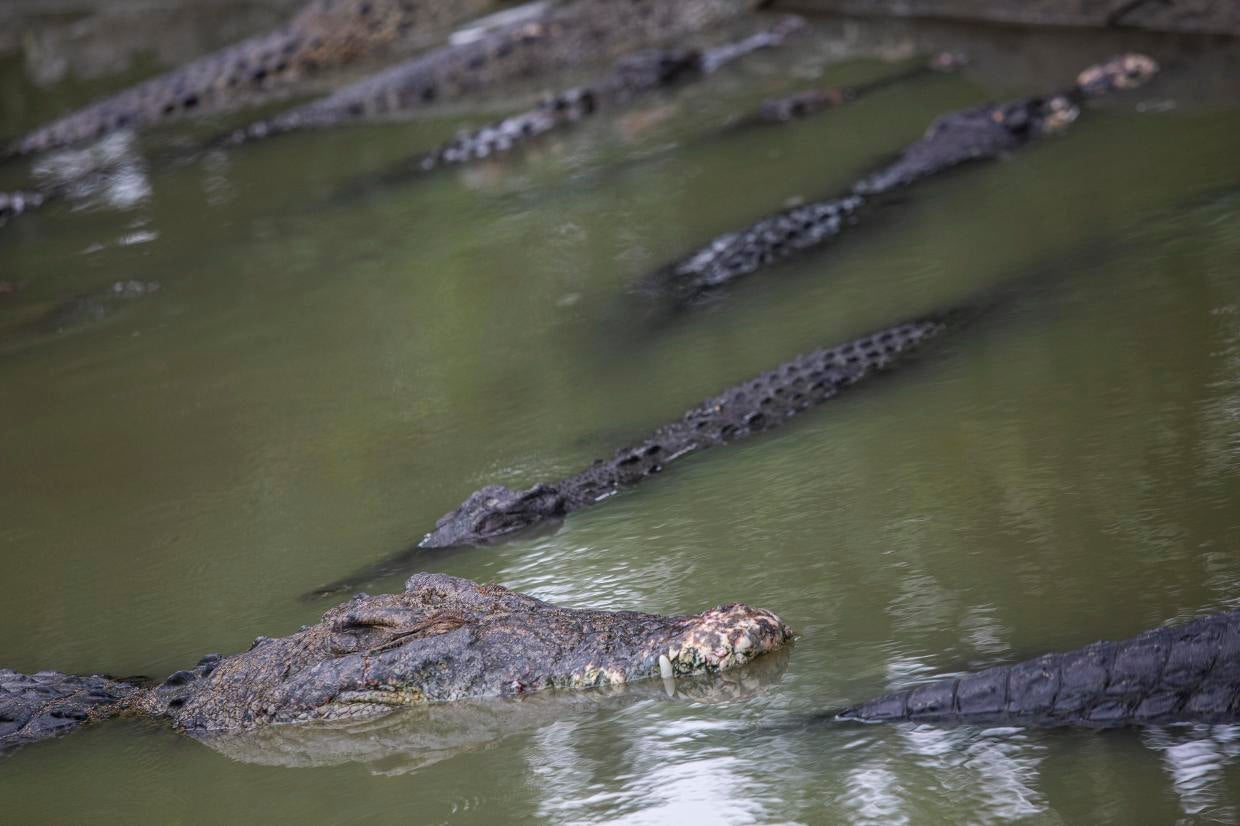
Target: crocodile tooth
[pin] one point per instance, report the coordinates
(665, 667)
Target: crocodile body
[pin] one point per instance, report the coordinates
(980, 133)
(1186, 673)
(326, 34)
(580, 31)
(441, 639)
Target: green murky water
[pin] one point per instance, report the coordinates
(316, 381)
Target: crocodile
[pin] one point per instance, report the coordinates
(425, 735)
(325, 34)
(760, 403)
(1177, 674)
(442, 639)
(979, 133)
(562, 36)
(632, 76)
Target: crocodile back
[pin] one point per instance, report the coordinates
(50, 704)
(761, 403)
(1182, 673)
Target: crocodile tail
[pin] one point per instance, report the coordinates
(51, 704)
(1188, 673)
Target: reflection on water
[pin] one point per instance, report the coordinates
(993, 774)
(110, 173)
(316, 381)
(665, 774)
(1195, 758)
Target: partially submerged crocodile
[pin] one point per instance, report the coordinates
(576, 32)
(441, 639)
(761, 403)
(980, 133)
(325, 34)
(421, 736)
(1185, 673)
(554, 37)
(632, 76)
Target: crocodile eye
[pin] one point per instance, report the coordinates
(342, 643)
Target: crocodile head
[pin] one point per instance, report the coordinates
(446, 638)
(415, 738)
(1127, 71)
(493, 512)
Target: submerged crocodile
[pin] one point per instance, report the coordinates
(1185, 673)
(422, 736)
(441, 639)
(980, 133)
(576, 32)
(632, 76)
(325, 34)
(761, 403)
(757, 404)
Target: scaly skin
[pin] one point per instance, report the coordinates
(326, 34)
(441, 639)
(1186, 673)
(580, 31)
(981, 133)
(49, 704)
